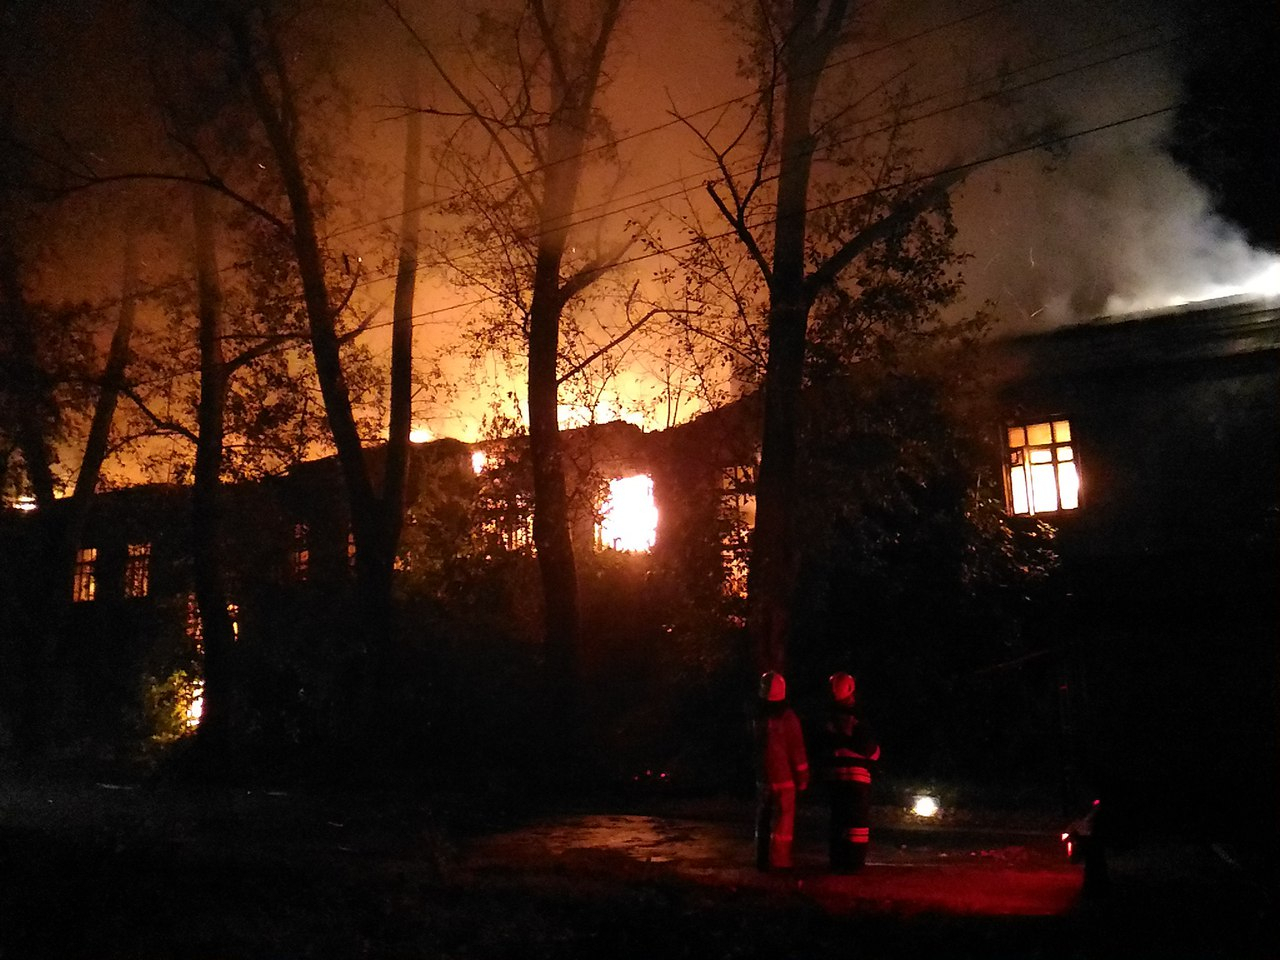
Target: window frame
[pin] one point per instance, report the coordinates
(84, 578)
(137, 570)
(1030, 453)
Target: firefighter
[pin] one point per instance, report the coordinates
(849, 749)
(782, 769)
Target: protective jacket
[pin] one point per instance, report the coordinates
(782, 768)
(780, 753)
(849, 750)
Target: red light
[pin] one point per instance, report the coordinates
(1070, 848)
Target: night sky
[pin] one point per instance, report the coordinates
(1175, 200)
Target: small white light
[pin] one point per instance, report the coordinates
(25, 503)
(419, 435)
(924, 806)
(479, 460)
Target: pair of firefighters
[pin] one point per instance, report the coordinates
(847, 750)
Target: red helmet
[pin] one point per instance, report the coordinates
(773, 686)
(842, 686)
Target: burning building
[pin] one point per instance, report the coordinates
(1148, 441)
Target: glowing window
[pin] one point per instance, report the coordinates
(737, 517)
(84, 586)
(300, 557)
(1042, 471)
(137, 570)
(628, 517)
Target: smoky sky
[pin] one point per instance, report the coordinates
(1109, 222)
(1104, 222)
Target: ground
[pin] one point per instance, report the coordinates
(109, 869)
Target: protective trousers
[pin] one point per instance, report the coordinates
(850, 824)
(775, 824)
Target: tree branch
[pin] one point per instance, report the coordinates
(170, 426)
(738, 222)
(597, 354)
(520, 175)
(927, 197)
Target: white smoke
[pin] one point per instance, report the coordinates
(1114, 224)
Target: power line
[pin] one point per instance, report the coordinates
(604, 205)
(715, 107)
(910, 181)
(606, 210)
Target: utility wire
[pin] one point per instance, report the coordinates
(910, 181)
(686, 182)
(375, 277)
(713, 108)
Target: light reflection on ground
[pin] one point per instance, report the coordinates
(956, 872)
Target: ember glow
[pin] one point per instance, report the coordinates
(629, 517)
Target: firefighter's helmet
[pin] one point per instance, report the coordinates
(842, 686)
(773, 686)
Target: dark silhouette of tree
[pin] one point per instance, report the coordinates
(535, 126)
(800, 255)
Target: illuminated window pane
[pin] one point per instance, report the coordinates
(1042, 471)
(629, 517)
(137, 570)
(1068, 486)
(1044, 488)
(1039, 434)
(84, 586)
(1018, 490)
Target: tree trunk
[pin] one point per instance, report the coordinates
(375, 556)
(401, 419)
(774, 551)
(566, 142)
(218, 723)
(61, 524)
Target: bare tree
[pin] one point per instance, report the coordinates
(804, 237)
(537, 121)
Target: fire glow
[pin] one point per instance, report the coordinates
(629, 517)
(194, 708)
